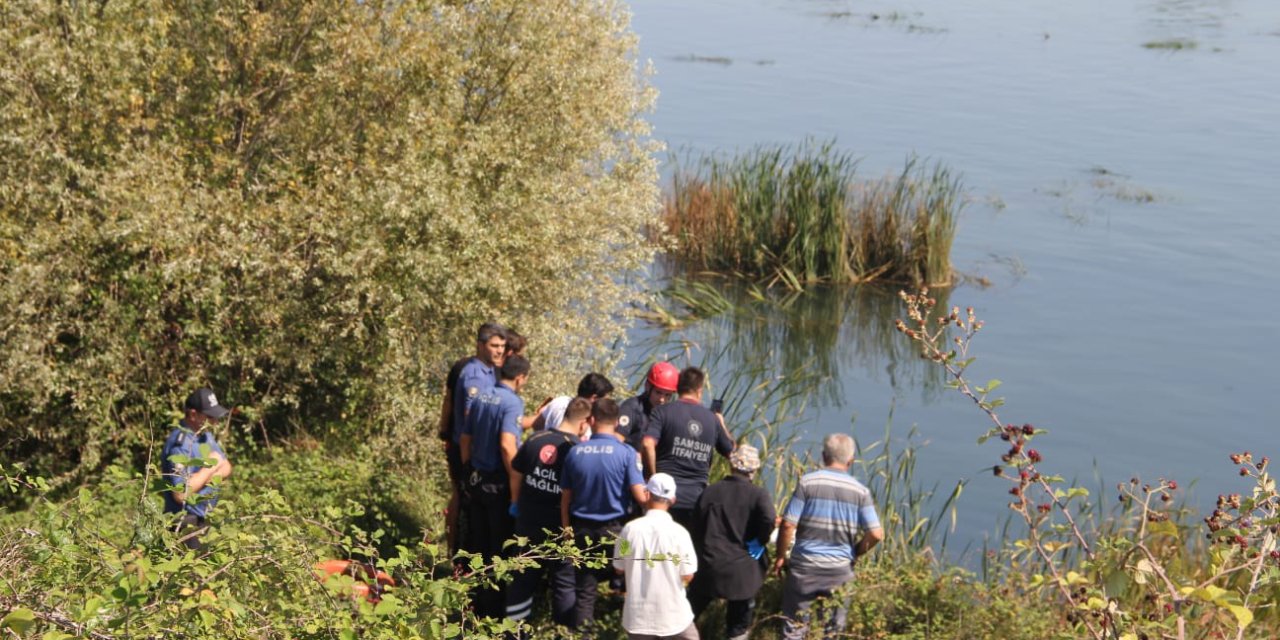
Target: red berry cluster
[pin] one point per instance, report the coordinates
(1017, 437)
(1246, 459)
(1232, 521)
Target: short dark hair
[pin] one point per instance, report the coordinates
(516, 342)
(594, 384)
(691, 380)
(490, 329)
(578, 409)
(514, 367)
(605, 410)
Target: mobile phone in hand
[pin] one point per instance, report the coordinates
(717, 405)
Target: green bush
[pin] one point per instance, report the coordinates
(104, 564)
(306, 204)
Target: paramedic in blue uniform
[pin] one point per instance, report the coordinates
(488, 443)
(536, 508)
(679, 440)
(194, 464)
(467, 378)
(600, 480)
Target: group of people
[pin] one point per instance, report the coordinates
(631, 479)
(628, 479)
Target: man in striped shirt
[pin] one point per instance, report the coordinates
(832, 520)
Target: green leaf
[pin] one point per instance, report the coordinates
(20, 620)
(1209, 593)
(389, 605)
(90, 609)
(1116, 583)
(1243, 615)
(1165, 527)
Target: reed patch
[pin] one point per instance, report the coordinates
(797, 215)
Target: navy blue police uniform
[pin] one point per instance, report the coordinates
(492, 413)
(686, 433)
(450, 432)
(184, 442)
(600, 472)
(633, 419)
(474, 378)
(541, 461)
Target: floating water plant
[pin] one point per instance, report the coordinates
(796, 215)
(693, 57)
(1176, 44)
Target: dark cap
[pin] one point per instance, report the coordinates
(205, 402)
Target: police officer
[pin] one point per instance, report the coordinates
(488, 444)
(194, 464)
(679, 440)
(537, 511)
(601, 478)
(659, 387)
(467, 378)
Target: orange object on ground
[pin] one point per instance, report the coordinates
(369, 581)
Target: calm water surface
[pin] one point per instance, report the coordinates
(1124, 208)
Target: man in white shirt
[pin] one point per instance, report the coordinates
(658, 559)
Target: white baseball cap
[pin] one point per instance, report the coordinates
(661, 485)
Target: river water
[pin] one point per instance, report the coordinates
(1123, 208)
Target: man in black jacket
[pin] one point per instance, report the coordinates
(731, 526)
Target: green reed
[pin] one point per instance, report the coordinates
(796, 215)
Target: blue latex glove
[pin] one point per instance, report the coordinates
(513, 510)
(755, 549)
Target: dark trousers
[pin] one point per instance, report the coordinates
(597, 538)
(189, 528)
(797, 597)
(738, 614)
(683, 517)
(526, 584)
(489, 526)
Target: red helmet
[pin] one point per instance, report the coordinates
(664, 376)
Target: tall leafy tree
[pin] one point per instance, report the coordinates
(308, 204)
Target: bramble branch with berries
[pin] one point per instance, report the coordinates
(1242, 531)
